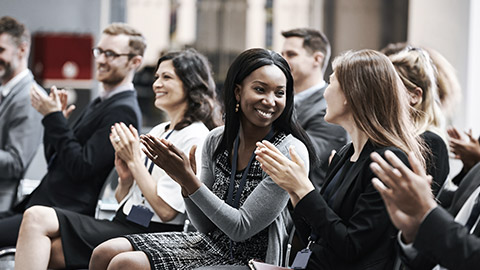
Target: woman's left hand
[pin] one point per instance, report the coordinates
(173, 161)
(126, 143)
(290, 175)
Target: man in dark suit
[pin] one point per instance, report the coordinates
(430, 236)
(307, 52)
(80, 157)
(20, 124)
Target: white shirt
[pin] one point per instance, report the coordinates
(5, 89)
(104, 95)
(167, 188)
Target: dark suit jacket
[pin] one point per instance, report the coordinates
(81, 157)
(20, 137)
(440, 240)
(325, 137)
(356, 232)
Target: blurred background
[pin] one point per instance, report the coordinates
(64, 31)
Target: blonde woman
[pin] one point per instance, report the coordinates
(417, 73)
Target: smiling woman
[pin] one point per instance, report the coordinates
(150, 201)
(238, 210)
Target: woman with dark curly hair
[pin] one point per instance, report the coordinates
(150, 201)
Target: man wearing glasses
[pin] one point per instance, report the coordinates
(80, 157)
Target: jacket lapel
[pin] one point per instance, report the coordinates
(351, 176)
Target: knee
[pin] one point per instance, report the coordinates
(35, 217)
(105, 252)
(128, 260)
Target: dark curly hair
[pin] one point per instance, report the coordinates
(194, 71)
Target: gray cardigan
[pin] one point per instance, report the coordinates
(266, 205)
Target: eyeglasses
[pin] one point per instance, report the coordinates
(109, 54)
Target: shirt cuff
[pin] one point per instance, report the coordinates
(408, 249)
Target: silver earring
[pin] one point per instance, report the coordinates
(237, 107)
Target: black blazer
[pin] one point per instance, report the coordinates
(356, 232)
(325, 137)
(80, 158)
(440, 240)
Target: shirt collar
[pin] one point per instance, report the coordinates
(5, 89)
(104, 95)
(307, 92)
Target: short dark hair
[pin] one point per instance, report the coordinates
(17, 31)
(137, 42)
(313, 41)
(193, 69)
(245, 63)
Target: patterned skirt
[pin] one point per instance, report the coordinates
(181, 250)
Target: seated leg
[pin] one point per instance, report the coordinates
(39, 227)
(130, 260)
(105, 252)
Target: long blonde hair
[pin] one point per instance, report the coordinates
(378, 100)
(416, 69)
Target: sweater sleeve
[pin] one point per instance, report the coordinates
(241, 224)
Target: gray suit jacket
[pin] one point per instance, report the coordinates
(20, 136)
(325, 137)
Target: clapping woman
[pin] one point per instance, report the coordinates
(150, 201)
(346, 222)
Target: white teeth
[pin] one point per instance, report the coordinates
(265, 114)
(159, 94)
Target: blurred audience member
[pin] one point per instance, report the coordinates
(417, 73)
(307, 51)
(448, 86)
(81, 157)
(20, 124)
(449, 90)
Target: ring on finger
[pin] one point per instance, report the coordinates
(155, 157)
(116, 139)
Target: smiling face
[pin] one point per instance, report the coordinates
(10, 58)
(112, 72)
(262, 97)
(337, 108)
(168, 88)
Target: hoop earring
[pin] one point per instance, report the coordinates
(237, 107)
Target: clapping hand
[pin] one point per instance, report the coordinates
(291, 175)
(406, 193)
(126, 142)
(173, 161)
(465, 149)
